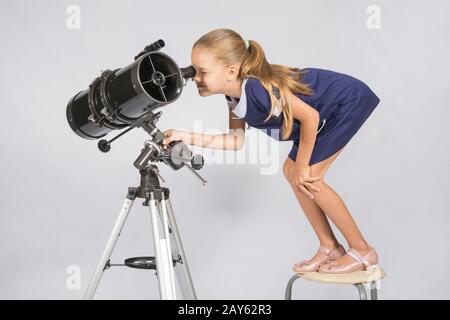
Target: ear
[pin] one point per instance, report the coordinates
(232, 72)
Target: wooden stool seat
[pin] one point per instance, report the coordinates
(358, 279)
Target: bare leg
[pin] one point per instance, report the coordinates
(333, 206)
(313, 212)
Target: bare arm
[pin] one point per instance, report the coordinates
(232, 140)
(309, 119)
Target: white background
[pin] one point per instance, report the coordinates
(243, 231)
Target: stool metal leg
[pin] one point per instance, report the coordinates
(373, 291)
(362, 291)
(288, 294)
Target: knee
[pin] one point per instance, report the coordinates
(288, 168)
(317, 172)
(321, 184)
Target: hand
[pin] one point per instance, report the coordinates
(303, 180)
(174, 135)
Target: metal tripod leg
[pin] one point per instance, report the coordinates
(93, 283)
(183, 273)
(163, 251)
(167, 243)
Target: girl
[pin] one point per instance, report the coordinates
(319, 110)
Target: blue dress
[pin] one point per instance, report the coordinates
(344, 103)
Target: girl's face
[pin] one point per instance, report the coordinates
(211, 76)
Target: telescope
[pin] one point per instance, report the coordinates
(126, 99)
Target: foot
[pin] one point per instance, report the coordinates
(346, 259)
(322, 256)
(353, 260)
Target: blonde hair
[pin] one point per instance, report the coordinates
(228, 47)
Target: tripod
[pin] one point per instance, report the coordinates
(169, 252)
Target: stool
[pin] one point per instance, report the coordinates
(358, 279)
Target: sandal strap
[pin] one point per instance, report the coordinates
(358, 257)
(324, 250)
(329, 252)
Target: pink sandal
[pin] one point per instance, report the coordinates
(310, 266)
(367, 262)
